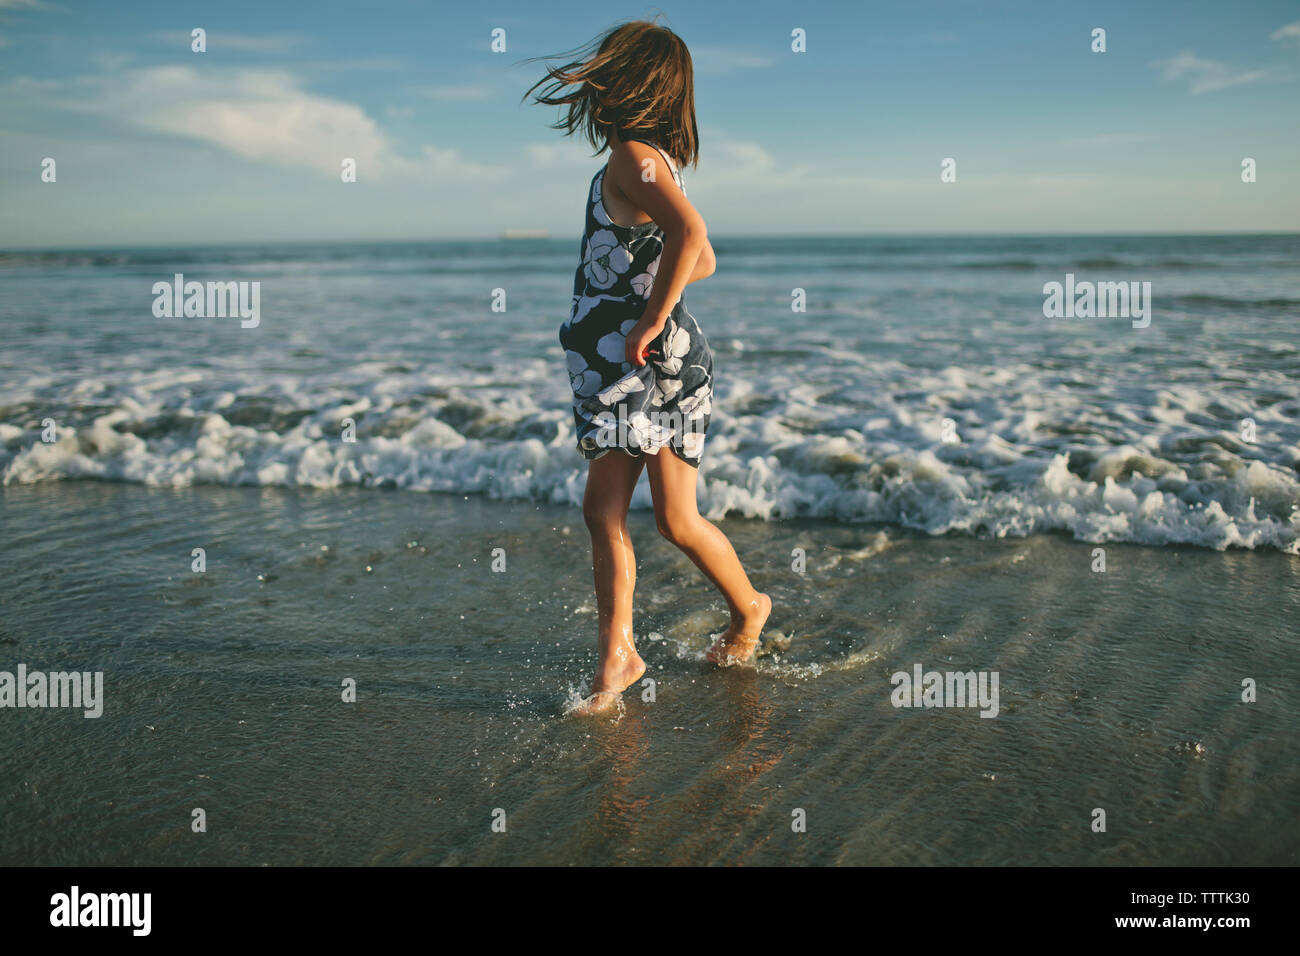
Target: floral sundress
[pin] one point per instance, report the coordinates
(617, 405)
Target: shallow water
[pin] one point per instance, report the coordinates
(1118, 690)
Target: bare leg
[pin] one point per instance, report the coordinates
(672, 485)
(611, 479)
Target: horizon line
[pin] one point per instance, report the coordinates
(717, 236)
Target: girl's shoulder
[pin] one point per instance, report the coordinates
(635, 151)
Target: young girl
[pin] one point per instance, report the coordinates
(640, 367)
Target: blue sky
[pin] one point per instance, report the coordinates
(156, 144)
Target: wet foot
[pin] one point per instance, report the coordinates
(739, 642)
(613, 676)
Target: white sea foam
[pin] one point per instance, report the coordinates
(1148, 469)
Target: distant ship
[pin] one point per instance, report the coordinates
(526, 234)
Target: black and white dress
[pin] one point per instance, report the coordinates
(667, 401)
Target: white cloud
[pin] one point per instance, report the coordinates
(566, 154)
(1289, 32)
(446, 164)
(252, 113)
(243, 42)
(716, 59)
(260, 115)
(1205, 76)
(740, 158)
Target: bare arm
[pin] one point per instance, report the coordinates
(705, 264)
(685, 237)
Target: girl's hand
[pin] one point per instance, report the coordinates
(638, 340)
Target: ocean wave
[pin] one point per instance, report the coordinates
(767, 467)
(1234, 302)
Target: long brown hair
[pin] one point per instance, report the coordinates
(636, 80)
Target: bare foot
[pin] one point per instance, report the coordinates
(740, 641)
(613, 676)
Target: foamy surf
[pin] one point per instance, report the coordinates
(1125, 495)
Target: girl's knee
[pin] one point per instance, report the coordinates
(602, 517)
(679, 527)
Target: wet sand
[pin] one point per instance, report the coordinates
(1118, 690)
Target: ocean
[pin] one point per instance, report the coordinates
(1088, 426)
(918, 464)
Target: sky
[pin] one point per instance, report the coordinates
(155, 144)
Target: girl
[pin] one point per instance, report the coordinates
(640, 367)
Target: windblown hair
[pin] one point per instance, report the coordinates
(637, 80)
